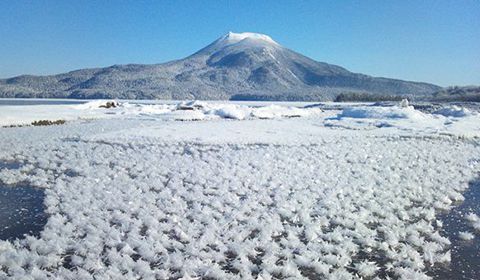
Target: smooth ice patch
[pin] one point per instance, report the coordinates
(21, 211)
(464, 255)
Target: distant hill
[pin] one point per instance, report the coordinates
(456, 93)
(244, 66)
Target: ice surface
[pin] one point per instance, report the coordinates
(21, 211)
(140, 195)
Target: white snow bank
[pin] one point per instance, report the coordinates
(25, 115)
(454, 111)
(374, 112)
(455, 121)
(193, 110)
(384, 120)
(231, 112)
(275, 111)
(196, 110)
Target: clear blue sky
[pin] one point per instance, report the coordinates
(436, 41)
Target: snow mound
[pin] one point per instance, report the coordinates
(373, 112)
(454, 111)
(231, 112)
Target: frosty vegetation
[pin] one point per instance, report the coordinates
(245, 193)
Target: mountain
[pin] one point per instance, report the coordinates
(236, 66)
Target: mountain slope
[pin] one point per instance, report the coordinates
(235, 66)
(456, 93)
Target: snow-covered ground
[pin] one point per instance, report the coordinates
(235, 191)
(185, 111)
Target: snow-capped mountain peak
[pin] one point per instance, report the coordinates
(232, 37)
(235, 66)
(239, 41)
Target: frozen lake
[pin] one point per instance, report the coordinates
(33, 101)
(52, 101)
(222, 190)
